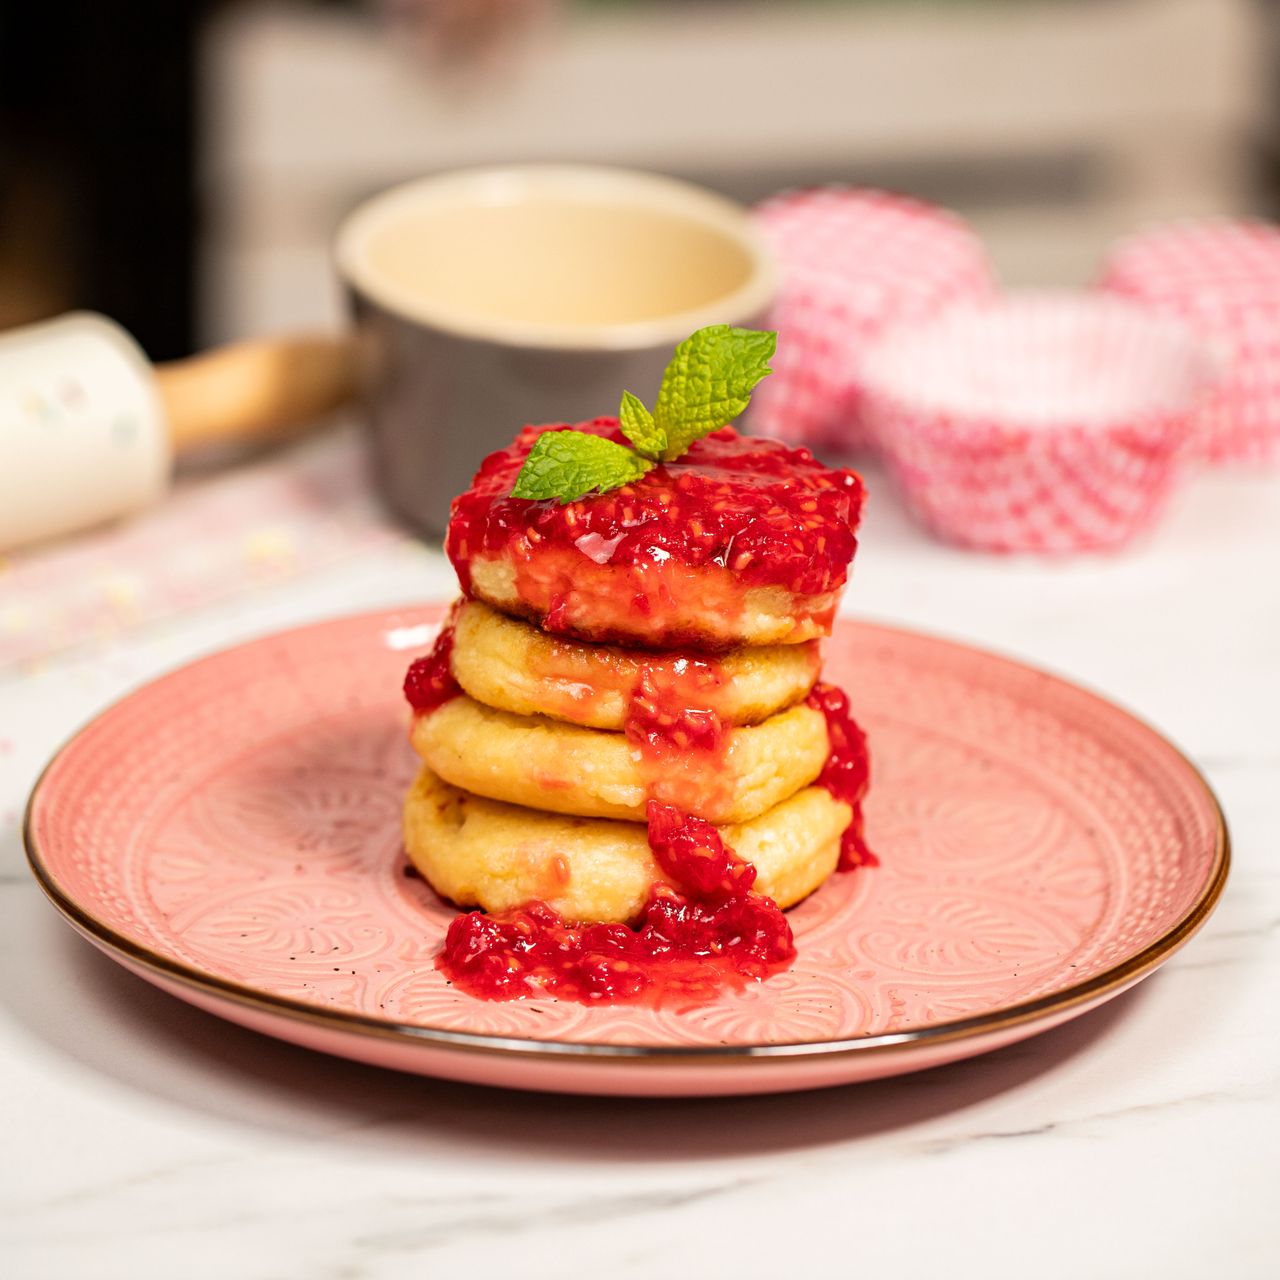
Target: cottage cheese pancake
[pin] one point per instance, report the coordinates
(629, 761)
(739, 541)
(481, 852)
(547, 764)
(511, 665)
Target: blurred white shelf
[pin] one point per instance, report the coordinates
(1152, 100)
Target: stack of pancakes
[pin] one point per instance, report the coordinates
(541, 752)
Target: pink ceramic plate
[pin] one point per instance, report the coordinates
(231, 833)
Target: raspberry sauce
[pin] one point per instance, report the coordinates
(680, 740)
(705, 932)
(687, 539)
(667, 712)
(429, 681)
(847, 772)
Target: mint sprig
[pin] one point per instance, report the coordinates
(639, 427)
(707, 384)
(569, 464)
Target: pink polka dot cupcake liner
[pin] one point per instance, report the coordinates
(1223, 278)
(1044, 422)
(853, 262)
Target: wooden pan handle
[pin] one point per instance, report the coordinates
(255, 390)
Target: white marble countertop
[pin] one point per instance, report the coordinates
(145, 1139)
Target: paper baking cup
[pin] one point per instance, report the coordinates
(1037, 422)
(852, 263)
(1223, 278)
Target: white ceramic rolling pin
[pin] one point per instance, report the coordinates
(89, 428)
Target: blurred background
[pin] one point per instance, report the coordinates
(181, 166)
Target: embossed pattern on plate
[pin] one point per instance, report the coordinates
(232, 832)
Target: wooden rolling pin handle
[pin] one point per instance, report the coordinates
(255, 390)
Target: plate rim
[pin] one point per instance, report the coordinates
(1092, 990)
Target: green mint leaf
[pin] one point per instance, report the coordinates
(709, 383)
(639, 427)
(569, 464)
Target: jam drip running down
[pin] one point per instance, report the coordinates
(709, 932)
(666, 714)
(772, 515)
(429, 682)
(847, 771)
(681, 743)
